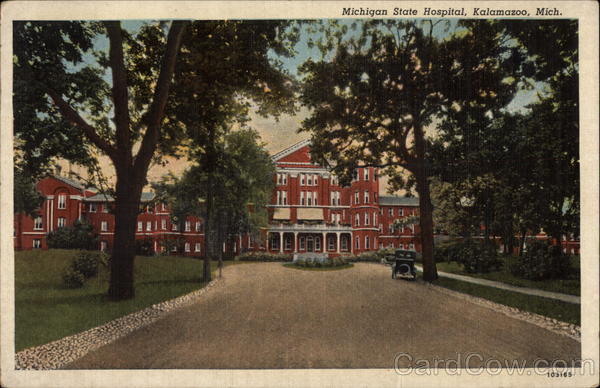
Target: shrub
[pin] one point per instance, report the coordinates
(144, 247)
(371, 256)
(318, 261)
(264, 256)
(474, 256)
(87, 263)
(541, 261)
(73, 278)
(79, 236)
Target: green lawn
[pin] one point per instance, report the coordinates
(46, 310)
(570, 285)
(566, 312)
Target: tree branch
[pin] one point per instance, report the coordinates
(71, 115)
(119, 89)
(159, 101)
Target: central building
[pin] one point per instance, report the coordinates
(311, 212)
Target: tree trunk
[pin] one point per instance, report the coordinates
(127, 204)
(426, 208)
(426, 224)
(522, 242)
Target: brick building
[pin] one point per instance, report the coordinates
(309, 212)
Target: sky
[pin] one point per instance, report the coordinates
(282, 133)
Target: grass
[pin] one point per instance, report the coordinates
(570, 286)
(45, 310)
(294, 266)
(562, 311)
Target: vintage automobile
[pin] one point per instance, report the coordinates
(403, 264)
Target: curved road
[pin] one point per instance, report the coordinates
(263, 315)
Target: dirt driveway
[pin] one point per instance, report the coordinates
(263, 315)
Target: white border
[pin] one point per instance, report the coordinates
(586, 11)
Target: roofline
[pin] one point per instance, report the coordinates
(290, 150)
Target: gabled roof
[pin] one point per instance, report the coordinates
(146, 197)
(392, 200)
(290, 150)
(69, 182)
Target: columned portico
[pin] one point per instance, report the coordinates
(310, 238)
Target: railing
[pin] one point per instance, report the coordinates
(317, 227)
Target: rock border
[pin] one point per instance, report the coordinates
(563, 328)
(57, 354)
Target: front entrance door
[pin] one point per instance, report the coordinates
(310, 247)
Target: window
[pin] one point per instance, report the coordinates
(310, 178)
(198, 226)
(344, 243)
(278, 178)
(174, 227)
(332, 198)
(37, 223)
(317, 243)
(374, 218)
(380, 228)
(279, 197)
(274, 241)
(284, 179)
(380, 245)
(366, 174)
(400, 212)
(391, 228)
(92, 207)
(367, 196)
(357, 245)
(302, 179)
(188, 226)
(301, 243)
(62, 201)
(163, 224)
(37, 243)
(103, 246)
(391, 211)
(316, 202)
(105, 207)
(367, 218)
(187, 247)
(356, 198)
(357, 220)
(367, 242)
(315, 180)
(411, 246)
(375, 197)
(197, 247)
(309, 199)
(104, 226)
(284, 197)
(148, 226)
(337, 195)
(331, 243)
(302, 198)
(288, 242)
(149, 209)
(391, 245)
(140, 226)
(163, 207)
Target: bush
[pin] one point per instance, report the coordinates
(84, 265)
(73, 278)
(542, 261)
(371, 256)
(264, 256)
(319, 261)
(87, 263)
(474, 256)
(79, 236)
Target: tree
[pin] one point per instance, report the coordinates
(72, 95)
(528, 160)
(215, 92)
(242, 184)
(373, 96)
